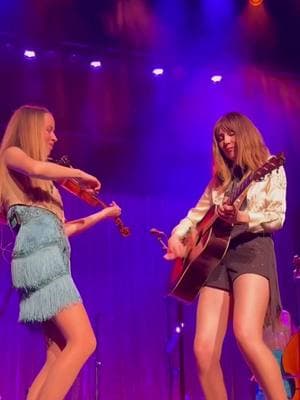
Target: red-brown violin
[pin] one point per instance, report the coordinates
(73, 186)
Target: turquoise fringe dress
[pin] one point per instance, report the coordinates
(40, 263)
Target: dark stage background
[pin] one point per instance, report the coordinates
(148, 138)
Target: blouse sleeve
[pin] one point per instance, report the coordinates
(195, 214)
(271, 215)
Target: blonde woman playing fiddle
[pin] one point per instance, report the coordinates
(41, 256)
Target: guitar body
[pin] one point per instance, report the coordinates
(188, 275)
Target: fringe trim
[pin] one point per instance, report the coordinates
(39, 268)
(45, 303)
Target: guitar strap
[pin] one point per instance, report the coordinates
(237, 176)
(241, 228)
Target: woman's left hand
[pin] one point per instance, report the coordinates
(227, 213)
(113, 210)
(232, 215)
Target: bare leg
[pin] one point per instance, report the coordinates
(53, 352)
(75, 326)
(251, 297)
(211, 325)
(55, 344)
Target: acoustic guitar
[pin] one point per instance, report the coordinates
(212, 240)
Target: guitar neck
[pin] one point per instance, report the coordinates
(240, 189)
(272, 164)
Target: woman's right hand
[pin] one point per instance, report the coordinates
(175, 248)
(90, 182)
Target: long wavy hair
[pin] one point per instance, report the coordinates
(24, 130)
(251, 151)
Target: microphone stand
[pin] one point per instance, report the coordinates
(98, 363)
(161, 237)
(180, 326)
(296, 276)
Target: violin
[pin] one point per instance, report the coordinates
(73, 186)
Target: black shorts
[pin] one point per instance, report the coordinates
(249, 253)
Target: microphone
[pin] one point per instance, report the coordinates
(156, 232)
(159, 236)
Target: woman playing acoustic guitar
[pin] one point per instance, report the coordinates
(246, 277)
(41, 255)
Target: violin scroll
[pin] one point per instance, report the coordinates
(124, 230)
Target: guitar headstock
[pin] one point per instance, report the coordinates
(296, 261)
(273, 163)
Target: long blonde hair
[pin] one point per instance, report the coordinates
(251, 149)
(24, 130)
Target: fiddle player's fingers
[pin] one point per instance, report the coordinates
(97, 186)
(114, 204)
(90, 191)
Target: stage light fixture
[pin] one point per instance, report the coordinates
(256, 3)
(216, 78)
(29, 54)
(178, 329)
(157, 71)
(96, 64)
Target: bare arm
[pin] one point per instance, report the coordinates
(271, 216)
(17, 160)
(82, 224)
(195, 214)
(183, 234)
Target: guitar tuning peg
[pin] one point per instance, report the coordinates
(296, 266)
(296, 274)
